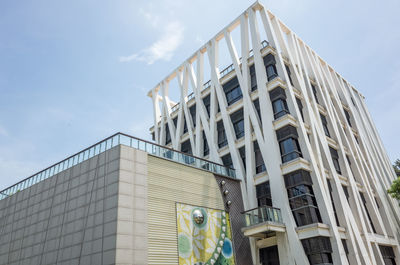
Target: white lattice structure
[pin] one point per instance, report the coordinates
(366, 221)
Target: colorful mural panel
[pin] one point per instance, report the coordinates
(204, 236)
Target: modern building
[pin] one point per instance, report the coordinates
(299, 136)
(125, 201)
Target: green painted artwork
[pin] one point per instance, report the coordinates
(204, 236)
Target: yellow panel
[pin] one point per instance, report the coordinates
(168, 183)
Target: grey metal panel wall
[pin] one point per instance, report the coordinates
(241, 243)
(70, 218)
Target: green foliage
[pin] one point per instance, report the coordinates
(396, 167)
(394, 190)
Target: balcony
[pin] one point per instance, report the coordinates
(262, 221)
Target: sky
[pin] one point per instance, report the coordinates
(75, 72)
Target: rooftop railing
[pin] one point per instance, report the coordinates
(262, 214)
(223, 73)
(107, 144)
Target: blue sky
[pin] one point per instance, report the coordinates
(74, 72)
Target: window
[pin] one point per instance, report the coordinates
(238, 123)
(186, 147)
(263, 193)
(280, 108)
(335, 160)
(232, 91)
(288, 143)
(301, 198)
(257, 107)
(300, 106)
(260, 166)
(253, 78)
(325, 125)
(346, 192)
(314, 90)
(333, 204)
(242, 153)
(366, 210)
(192, 111)
(153, 136)
(222, 141)
(227, 160)
(347, 114)
(346, 249)
(206, 101)
(388, 255)
(269, 62)
(185, 129)
(288, 72)
(206, 150)
(269, 256)
(318, 250)
(167, 135)
(175, 121)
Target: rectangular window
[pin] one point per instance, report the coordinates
(227, 160)
(263, 192)
(238, 123)
(300, 106)
(222, 141)
(318, 250)
(269, 256)
(260, 166)
(314, 90)
(153, 136)
(333, 204)
(347, 114)
(186, 147)
(325, 125)
(346, 192)
(206, 150)
(185, 128)
(388, 255)
(335, 160)
(253, 78)
(269, 62)
(366, 210)
(167, 135)
(289, 74)
(257, 107)
(288, 143)
(232, 91)
(206, 101)
(346, 249)
(301, 198)
(242, 152)
(192, 111)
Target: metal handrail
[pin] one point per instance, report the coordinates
(110, 142)
(262, 214)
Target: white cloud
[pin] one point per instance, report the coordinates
(163, 48)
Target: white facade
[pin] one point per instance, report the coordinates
(365, 222)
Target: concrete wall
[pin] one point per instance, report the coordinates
(70, 218)
(131, 241)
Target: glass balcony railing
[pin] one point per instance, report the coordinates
(261, 215)
(110, 142)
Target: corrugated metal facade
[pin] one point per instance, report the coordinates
(168, 183)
